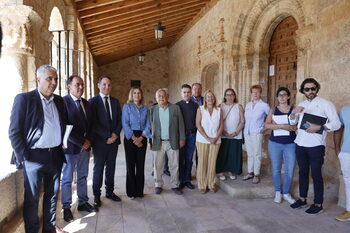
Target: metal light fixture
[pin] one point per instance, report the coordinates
(142, 57)
(158, 31)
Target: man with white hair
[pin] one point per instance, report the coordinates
(168, 135)
(36, 132)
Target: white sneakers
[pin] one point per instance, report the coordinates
(278, 197)
(233, 177)
(287, 197)
(222, 177)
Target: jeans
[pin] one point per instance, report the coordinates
(80, 163)
(278, 153)
(311, 157)
(344, 159)
(186, 158)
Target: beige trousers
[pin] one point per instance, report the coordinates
(173, 162)
(206, 170)
(253, 144)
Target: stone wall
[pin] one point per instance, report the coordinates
(153, 74)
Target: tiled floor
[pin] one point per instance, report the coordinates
(195, 212)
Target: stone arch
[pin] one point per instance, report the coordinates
(251, 40)
(210, 78)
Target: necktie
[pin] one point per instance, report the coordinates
(107, 109)
(81, 113)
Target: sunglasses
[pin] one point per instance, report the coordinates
(310, 88)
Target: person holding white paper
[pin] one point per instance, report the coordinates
(310, 145)
(281, 145)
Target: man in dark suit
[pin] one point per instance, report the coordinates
(168, 135)
(106, 130)
(77, 151)
(36, 130)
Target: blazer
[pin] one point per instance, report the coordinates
(27, 123)
(102, 129)
(79, 134)
(176, 127)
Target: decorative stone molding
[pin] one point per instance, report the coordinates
(18, 24)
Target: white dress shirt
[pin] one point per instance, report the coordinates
(320, 107)
(109, 103)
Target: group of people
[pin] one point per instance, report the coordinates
(196, 125)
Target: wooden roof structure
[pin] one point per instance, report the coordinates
(116, 29)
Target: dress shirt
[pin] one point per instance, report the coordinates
(189, 111)
(255, 117)
(164, 122)
(134, 118)
(81, 103)
(51, 135)
(344, 116)
(197, 101)
(320, 107)
(109, 103)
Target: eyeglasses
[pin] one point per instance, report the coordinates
(230, 95)
(306, 89)
(282, 95)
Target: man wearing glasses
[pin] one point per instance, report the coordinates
(311, 141)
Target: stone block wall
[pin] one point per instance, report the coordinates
(153, 74)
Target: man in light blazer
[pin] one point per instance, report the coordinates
(77, 152)
(107, 114)
(168, 135)
(37, 126)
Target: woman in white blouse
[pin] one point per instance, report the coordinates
(230, 153)
(209, 124)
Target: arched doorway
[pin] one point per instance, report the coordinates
(210, 79)
(283, 60)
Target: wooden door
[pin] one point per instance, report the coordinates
(283, 60)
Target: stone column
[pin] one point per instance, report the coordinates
(15, 63)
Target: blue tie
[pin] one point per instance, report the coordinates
(107, 109)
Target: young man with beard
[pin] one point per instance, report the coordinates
(311, 141)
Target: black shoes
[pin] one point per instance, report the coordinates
(97, 201)
(113, 197)
(189, 185)
(298, 204)
(158, 190)
(177, 191)
(314, 210)
(87, 207)
(67, 215)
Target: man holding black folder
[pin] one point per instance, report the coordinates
(315, 117)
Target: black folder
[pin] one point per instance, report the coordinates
(314, 119)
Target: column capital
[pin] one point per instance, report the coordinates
(18, 25)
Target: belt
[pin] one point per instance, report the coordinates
(46, 149)
(165, 140)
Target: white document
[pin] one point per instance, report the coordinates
(66, 135)
(280, 119)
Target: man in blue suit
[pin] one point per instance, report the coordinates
(77, 152)
(36, 131)
(106, 131)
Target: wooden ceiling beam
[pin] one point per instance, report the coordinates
(136, 10)
(141, 24)
(134, 29)
(91, 4)
(135, 40)
(118, 7)
(169, 8)
(145, 18)
(127, 48)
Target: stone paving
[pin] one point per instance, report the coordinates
(195, 212)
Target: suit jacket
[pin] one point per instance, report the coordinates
(79, 133)
(176, 127)
(27, 123)
(102, 129)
